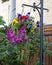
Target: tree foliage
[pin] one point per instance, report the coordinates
(2, 22)
(2, 29)
(4, 0)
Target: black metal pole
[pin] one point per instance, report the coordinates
(41, 32)
(41, 26)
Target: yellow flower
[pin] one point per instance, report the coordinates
(34, 26)
(32, 30)
(15, 20)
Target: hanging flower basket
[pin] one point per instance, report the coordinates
(21, 41)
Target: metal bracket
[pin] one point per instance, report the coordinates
(35, 7)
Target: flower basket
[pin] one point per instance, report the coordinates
(21, 41)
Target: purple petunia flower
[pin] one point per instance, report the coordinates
(23, 37)
(37, 24)
(23, 41)
(7, 29)
(19, 15)
(18, 37)
(15, 39)
(27, 39)
(28, 14)
(23, 28)
(11, 43)
(14, 35)
(19, 31)
(18, 41)
(8, 36)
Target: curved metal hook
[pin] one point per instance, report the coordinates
(38, 4)
(38, 12)
(35, 7)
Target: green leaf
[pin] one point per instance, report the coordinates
(27, 48)
(2, 22)
(2, 35)
(47, 51)
(37, 61)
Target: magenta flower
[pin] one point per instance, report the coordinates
(8, 36)
(11, 43)
(23, 37)
(7, 29)
(13, 38)
(14, 35)
(27, 39)
(18, 41)
(23, 28)
(19, 31)
(23, 41)
(18, 37)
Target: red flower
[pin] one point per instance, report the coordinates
(23, 17)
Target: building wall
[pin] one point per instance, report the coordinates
(4, 10)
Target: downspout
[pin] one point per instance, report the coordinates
(12, 9)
